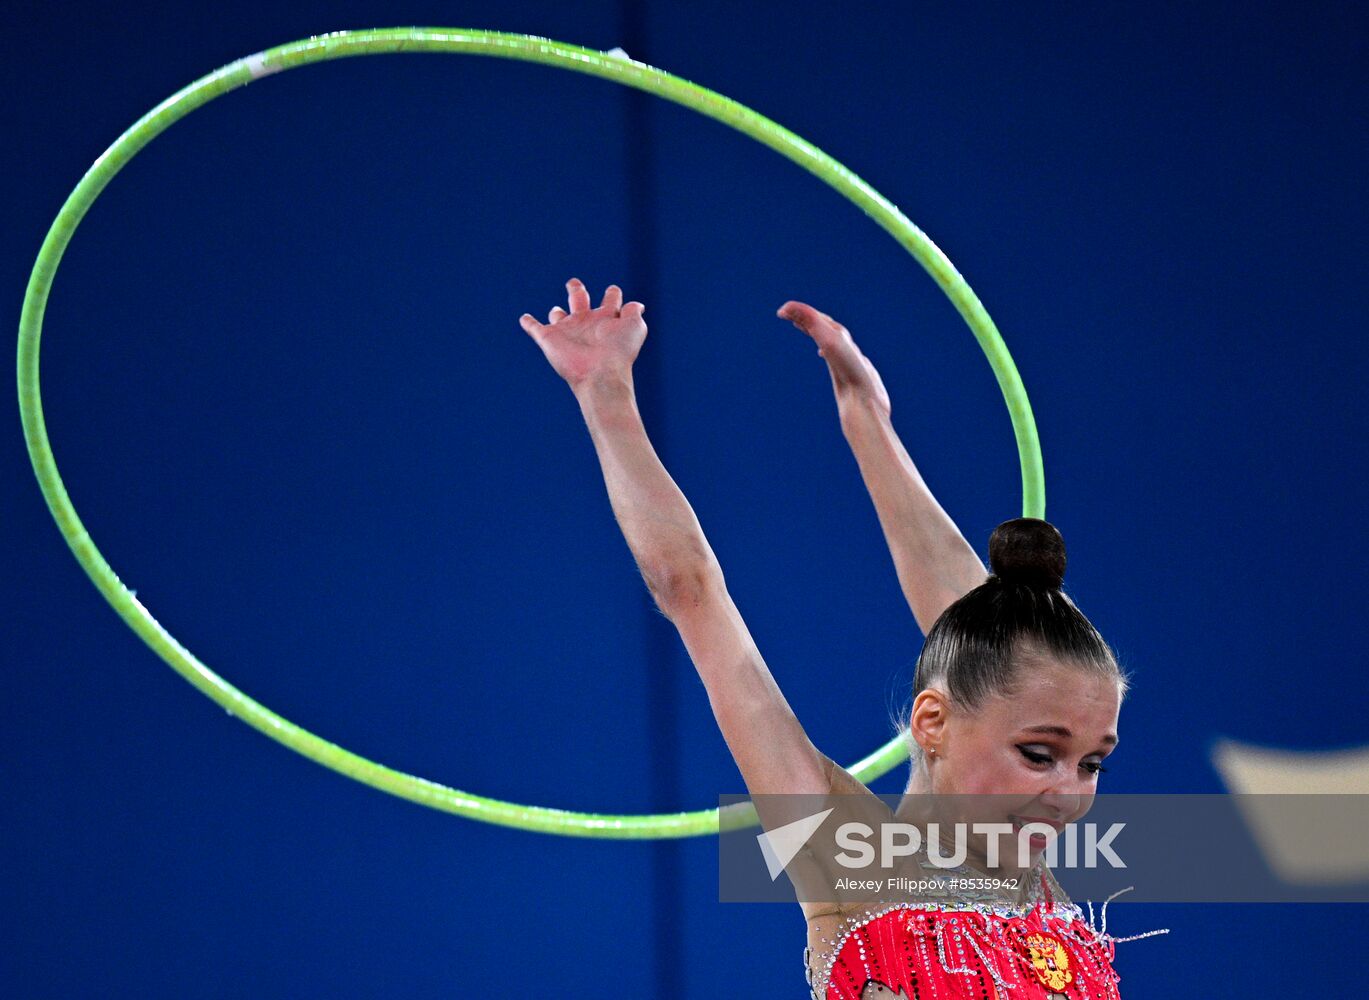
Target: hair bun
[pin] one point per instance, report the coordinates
(1028, 550)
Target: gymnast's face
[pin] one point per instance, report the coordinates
(1037, 749)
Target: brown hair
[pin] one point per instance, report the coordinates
(973, 649)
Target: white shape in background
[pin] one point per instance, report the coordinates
(781, 844)
(618, 53)
(1321, 844)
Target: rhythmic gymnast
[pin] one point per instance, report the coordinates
(1016, 694)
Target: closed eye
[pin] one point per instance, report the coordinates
(1040, 758)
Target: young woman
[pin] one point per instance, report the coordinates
(1016, 694)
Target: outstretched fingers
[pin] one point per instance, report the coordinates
(823, 329)
(579, 303)
(792, 311)
(613, 299)
(805, 317)
(579, 296)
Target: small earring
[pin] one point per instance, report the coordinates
(931, 750)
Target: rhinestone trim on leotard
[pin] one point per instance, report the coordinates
(1066, 912)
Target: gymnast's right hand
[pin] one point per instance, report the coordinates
(586, 343)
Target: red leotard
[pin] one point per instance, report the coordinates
(966, 951)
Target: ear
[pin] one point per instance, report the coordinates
(931, 710)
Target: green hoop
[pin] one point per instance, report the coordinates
(511, 46)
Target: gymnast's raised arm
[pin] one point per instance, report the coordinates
(935, 565)
(593, 350)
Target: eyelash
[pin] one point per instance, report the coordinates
(1093, 767)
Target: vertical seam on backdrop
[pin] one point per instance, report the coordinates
(660, 653)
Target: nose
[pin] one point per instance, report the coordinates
(1067, 799)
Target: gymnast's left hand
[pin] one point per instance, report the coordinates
(854, 378)
(587, 343)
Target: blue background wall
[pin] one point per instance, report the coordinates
(287, 390)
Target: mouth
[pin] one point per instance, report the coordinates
(1018, 822)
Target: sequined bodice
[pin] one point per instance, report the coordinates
(960, 950)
